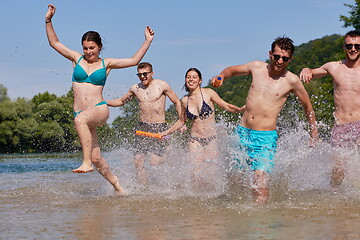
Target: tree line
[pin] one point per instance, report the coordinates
(45, 122)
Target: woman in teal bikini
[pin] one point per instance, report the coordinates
(88, 80)
(198, 106)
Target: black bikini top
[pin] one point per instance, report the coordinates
(204, 112)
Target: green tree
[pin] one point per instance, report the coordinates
(8, 118)
(26, 130)
(26, 126)
(54, 112)
(71, 137)
(3, 93)
(42, 124)
(42, 98)
(49, 137)
(354, 18)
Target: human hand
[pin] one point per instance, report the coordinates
(313, 142)
(113, 103)
(306, 75)
(242, 109)
(163, 134)
(314, 138)
(149, 33)
(50, 13)
(217, 81)
(183, 128)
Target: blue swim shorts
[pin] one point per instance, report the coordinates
(260, 146)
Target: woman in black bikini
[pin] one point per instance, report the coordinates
(198, 106)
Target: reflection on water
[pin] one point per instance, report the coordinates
(41, 198)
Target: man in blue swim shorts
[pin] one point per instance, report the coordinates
(260, 146)
(271, 85)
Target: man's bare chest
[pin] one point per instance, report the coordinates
(149, 95)
(269, 88)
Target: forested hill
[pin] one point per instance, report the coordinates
(312, 54)
(317, 52)
(45, 122)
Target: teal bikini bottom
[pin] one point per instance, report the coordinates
(98, 104)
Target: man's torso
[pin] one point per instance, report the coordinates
(346, 92)
(265, 99)
(152, 100)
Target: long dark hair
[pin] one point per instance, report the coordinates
(189, 70)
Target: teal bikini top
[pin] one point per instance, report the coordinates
(97, 78)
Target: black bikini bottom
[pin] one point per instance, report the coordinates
(203, 141)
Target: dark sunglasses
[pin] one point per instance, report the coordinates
(350, 46)
(277, 57)
(143, 74)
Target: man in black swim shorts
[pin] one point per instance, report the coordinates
(151, 94)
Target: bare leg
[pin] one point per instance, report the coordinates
(84, 133)
(196, 158)
(203, 160)
(155, 160)
(261, 188)
(338, 171)
(139, 160)
(103, 167)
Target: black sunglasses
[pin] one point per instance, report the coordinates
(277, 57)
(350, 46)
(143, 74)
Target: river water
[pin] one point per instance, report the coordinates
(42, 199)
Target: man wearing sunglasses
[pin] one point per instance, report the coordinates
(346, 79)
(271, 85)
(151, 94)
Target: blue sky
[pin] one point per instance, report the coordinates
(206, 34)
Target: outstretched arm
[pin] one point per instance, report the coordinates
(308, 74)
(178, 124)
(225, 105)
(114, 63)
(122, 100)
(304, 98)
(53, 39)
(229, 72)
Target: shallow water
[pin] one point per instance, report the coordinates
(42, 199)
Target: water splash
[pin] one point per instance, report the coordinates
(299, 169)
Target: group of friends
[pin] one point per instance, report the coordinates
(271, 85)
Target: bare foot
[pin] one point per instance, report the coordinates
(261, 195)
(335, 183)
(337, 177)
(83, 169)
(119, 190)
(261, 200)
